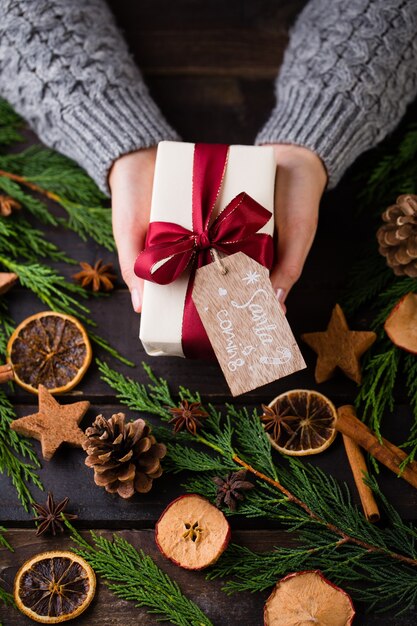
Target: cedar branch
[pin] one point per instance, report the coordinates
(23, 181)
(137, 397)
(345, 538)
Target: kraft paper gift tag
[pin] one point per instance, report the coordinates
(245, 323)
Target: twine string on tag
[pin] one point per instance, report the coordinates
(216, 258)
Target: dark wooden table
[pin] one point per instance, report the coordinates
(210, 65)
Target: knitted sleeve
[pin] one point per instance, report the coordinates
(349, 72)
(65, 68)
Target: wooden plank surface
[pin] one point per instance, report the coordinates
(237, 38)
(67, 475)
(210, 66)
(244, 609)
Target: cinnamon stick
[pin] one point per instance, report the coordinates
(386, 452)
(359, 470)
(6, 373)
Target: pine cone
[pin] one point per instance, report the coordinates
(397, 238)
(125, 456)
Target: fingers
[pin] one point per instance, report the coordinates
(300, 182)
(129, 231)
(131, 180)
(129, 245)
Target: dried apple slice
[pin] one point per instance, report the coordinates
(401, 324)
(308, 598)
(192, 533)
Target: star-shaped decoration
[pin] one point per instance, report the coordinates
(54, 424)
(251, 278)
(338, 346)
(99, 277)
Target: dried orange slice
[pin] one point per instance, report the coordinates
(54, 587)
(300, 422)
(50, 349)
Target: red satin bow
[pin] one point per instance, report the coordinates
(171, 248)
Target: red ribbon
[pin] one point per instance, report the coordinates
(170, 248)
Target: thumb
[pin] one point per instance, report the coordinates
(127, 257)
(129, 242)
(295, 236)
(297, 200)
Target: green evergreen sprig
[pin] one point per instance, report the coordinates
(393, 171)
(154, 399)
(50, 287)
(17, 457)
(85, 220)
(55, 177)
(377, 391)
(10, 122)
(338, 559)
(23, 247)
(410, 370)
(29, 203)
(3, 540)
(132, 575)
(6, 598)
(54, 172)
(332, 534)
(20, 240)
(6, 327)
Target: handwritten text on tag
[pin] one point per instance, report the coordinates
(244, 321)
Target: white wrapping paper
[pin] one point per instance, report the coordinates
(250, 169)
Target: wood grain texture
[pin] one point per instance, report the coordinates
(210, 66)
(106, 610)
(237, 38)
(67, 475)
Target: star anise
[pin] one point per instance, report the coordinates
(229, 488)
(188, 414)
(273, 421)
(8, 205)
(49, 515)
(98, 278)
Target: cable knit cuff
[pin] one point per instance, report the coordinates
(329, 124)
(96, 132)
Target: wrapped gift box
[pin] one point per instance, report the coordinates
(250, 169)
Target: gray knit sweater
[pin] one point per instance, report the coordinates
(348, 74)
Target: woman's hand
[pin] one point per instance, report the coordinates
(301, 179)
(130, 181)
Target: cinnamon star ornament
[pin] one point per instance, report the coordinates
(53, 424)
(339, 347)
